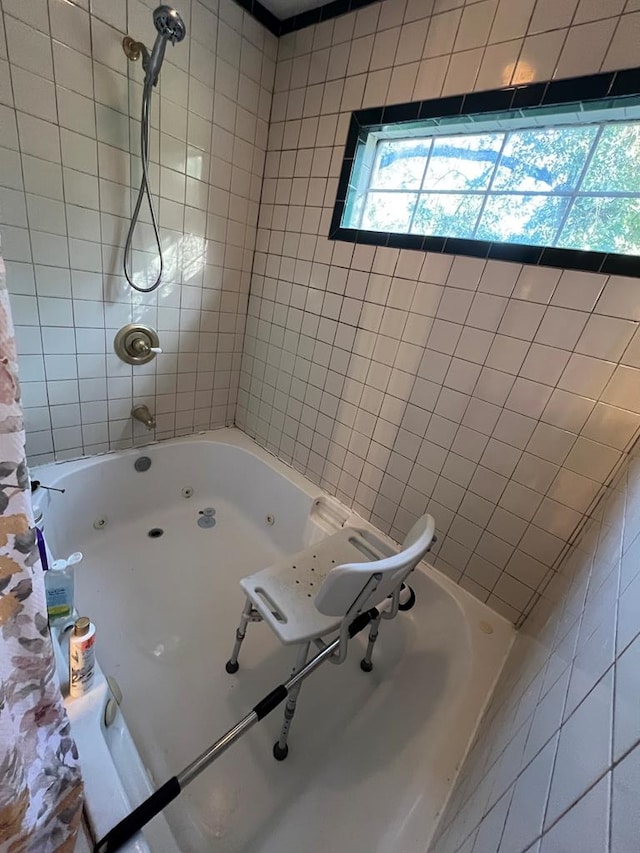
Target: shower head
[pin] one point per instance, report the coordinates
(170, 27)
(169, 24)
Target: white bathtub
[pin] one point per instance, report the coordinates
(373, 757)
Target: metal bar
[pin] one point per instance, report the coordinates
(241, 632)
(313, 664)
(222, 744)
(154, 804)
(352, 613)
(217, 749)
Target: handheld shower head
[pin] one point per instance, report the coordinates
(170, 27)
(169, 24)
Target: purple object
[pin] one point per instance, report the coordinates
(42, 548)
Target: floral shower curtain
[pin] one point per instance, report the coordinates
(40, 784)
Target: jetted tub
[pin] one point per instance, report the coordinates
(372, 756)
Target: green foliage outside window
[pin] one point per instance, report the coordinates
(573, 186)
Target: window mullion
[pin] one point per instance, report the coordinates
(371, 150)
(418, 194)
(578, 186)
(490, 185)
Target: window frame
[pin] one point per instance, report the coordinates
(553, 96)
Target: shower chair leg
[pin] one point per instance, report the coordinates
(280, 748)
(232, 664)
(365, 664)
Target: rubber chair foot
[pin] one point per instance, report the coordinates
(280, 753)
(365, 665)
(410, 601)
(232, 667)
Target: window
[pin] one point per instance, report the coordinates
(545, 183)
(574, 187)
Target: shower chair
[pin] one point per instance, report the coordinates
(321, 590)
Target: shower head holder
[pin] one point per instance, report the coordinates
(135, 49)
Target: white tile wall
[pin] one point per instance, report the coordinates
(498, 397)
(69, 127)
(555, 765)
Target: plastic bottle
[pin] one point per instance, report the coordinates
(58, 582)
(82, 657)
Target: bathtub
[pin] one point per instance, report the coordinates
(372, 756)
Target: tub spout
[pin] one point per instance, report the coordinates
(142, 414)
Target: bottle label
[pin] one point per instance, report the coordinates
(57, 601)
(82, 659)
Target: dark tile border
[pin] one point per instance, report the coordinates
(262, 14)
(594, 87)
(281, 27)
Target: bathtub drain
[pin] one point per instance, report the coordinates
(155, 532)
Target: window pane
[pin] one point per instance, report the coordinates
(603, 225)
(614, 167)
(463, 162)
(446, 215)
(388, 211)
(560, 181)
(543, 160)
(400, 164)
(521, 219)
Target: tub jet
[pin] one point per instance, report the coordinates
(206, 517)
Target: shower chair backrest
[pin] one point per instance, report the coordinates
(343, 584)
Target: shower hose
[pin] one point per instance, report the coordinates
(142, 192)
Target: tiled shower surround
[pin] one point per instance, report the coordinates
(499, 397)
(496, 396)
(555, 767)
(69, 118)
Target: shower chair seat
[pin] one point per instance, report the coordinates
(322, 590)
